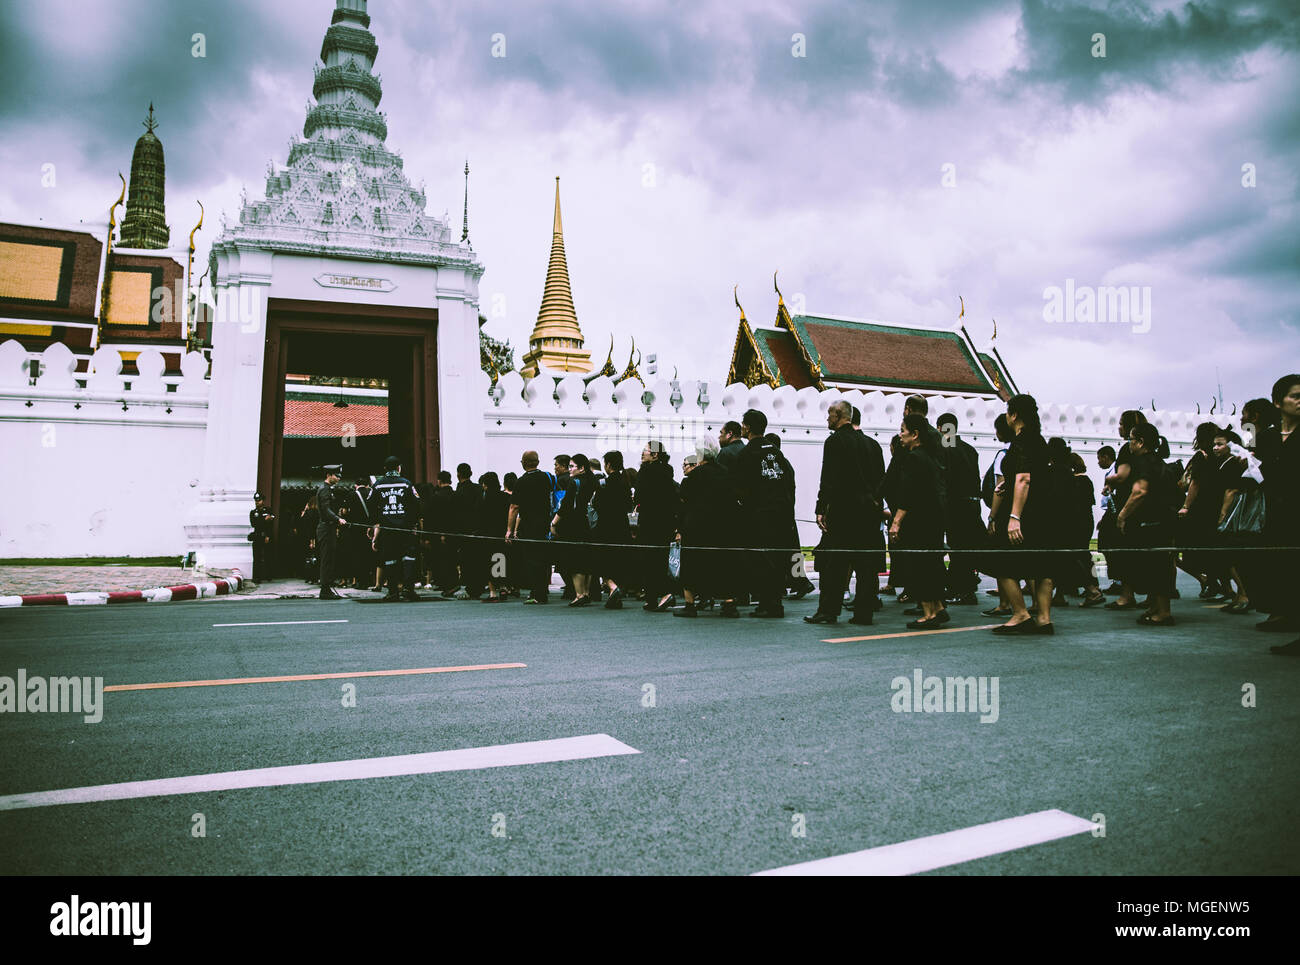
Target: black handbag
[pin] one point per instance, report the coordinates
(1246, 515)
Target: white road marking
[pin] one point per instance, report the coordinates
(942, 850)
(468, 759)
(276, 623)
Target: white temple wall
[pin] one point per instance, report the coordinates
(99, 470)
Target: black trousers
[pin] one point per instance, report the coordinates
(263, 553)
(535, 562)
(327, 550)
(965, 527)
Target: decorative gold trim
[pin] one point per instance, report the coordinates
(108, 249)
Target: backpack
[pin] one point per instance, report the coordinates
(990, 482)
(593, 517)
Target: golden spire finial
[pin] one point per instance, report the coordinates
(556, 341)
(735, 294)
(112, 212)
(558, 228)
(995, 331)
(780, 299)
(961, 314)
(196, 227)
(108, 250)
(149, 122)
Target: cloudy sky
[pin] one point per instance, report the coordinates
(914, 152)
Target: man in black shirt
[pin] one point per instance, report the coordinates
(731, 443)
(848, 513)
(468, 505)
(766, 484)
(395, 511)
(262, 521)
(530, 519)
(327, 530)
(963, 524)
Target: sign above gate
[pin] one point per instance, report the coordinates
(328, 280)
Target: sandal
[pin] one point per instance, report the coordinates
(1116, 605)
(1091, 601)
(1237, 608)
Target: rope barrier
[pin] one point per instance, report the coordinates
(869, 549)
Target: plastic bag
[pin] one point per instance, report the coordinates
(675, 559)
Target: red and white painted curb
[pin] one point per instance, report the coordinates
(223, 586)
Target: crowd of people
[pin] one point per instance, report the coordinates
(725, 532)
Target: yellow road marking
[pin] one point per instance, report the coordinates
(312, 676)
(908, 633)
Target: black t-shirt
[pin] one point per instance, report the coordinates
(532, 495)
(1026, 454)
(1154, 507)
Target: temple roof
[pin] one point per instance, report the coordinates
(827, 351)
(145, 224)
(343, 191)
(556, 342)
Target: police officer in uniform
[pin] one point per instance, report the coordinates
(395, 509)
(765, 480)
(327, 502)
(260, 519)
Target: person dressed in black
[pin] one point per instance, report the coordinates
(1083, 497)
(571, 528)
(657, 508)
(1198, 516)
(1026, 516)
(962, 522)
(493, 521)
(1278, 450)
(919, 517)
(306, 532)
(765, 481)
(327, 530)
(1145, 521)
(710, 522)
(1120, 483)
(731, 443)
(440, 513)
(611, 502)
(467, 506)
(395, 510)
(530, 521)
(848, 515)
(262, 538)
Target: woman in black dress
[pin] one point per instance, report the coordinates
(1198, 518)
(1146, 521)
(612, 501)
(1278, 449)
(919, 519)
(492, 522)
(1120, 482)
(573, 531)
(889, 494)
(710, 517)
(1026, 516)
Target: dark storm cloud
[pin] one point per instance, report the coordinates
(1144, 47)
(104, 95)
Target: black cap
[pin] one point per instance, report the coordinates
(333, 467)
(392, 462)
(256, 496)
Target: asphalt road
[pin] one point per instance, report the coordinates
(757, 728)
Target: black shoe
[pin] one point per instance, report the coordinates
(568, 594)
(820, 618)
(1027, 628)
(392, 598)
(803, 588)
(687, 611)
(729, 611)
(997, 611)
(329, 594)
(615, 601)
(410, 596)
(663, 605)
(861, 620)
(1115, 589)
(775, 613)
(1291, 649)
(931, 624)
